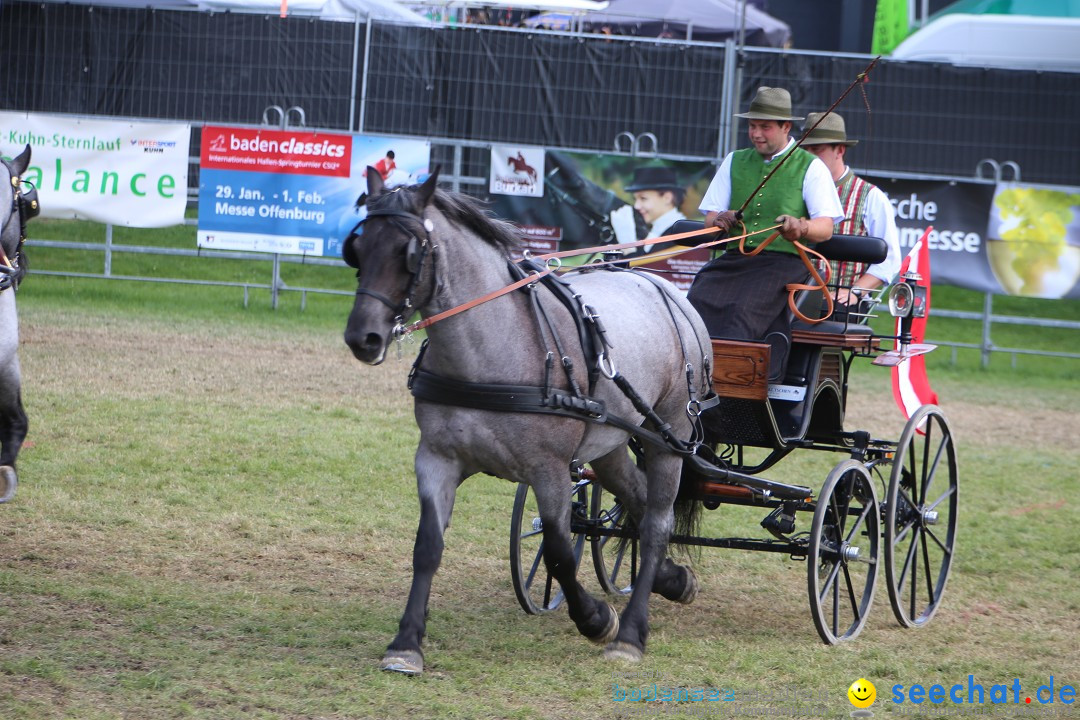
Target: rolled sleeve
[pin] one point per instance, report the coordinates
(880, 220)
(718, 197)
(819, 193)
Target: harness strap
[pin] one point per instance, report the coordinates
(434, 388)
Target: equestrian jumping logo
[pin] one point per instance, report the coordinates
(517, 171)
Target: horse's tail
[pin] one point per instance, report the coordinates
(688, 506)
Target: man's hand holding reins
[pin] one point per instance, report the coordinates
(724, 220)
(815, 230)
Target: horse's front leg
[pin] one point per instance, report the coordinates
(655, 530)
(437, 480)
(594, 619)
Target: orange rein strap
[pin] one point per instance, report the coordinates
(421, 324)
(792, 288)
(823, 285)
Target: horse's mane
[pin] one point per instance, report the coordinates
(460, 209)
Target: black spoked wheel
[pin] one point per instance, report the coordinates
(842, 563)
(920, 517)
(614, 558)
(536, 590)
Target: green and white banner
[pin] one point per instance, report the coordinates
(108, 171)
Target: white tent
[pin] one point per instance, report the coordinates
(326, 9)
(1019, 42)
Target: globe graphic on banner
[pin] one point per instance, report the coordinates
(1034, 239)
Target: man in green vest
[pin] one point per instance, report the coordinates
(744, 297)
(867, 211)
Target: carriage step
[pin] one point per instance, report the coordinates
(779, 490)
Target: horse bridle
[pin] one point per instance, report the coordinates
(24, 204)
(416, 253)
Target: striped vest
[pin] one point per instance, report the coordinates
(853, 192)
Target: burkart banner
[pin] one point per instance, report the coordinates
(294, 192)
(517, 170)
(107, 171)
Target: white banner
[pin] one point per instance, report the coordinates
(517, 171)
(108, 171)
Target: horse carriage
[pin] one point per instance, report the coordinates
(609, 373)
(890, 501)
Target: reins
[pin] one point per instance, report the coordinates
(553, 262)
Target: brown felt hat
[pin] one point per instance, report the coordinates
(770, 104)
(830, 131)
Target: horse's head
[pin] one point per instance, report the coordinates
(394, 273)
(18, 203)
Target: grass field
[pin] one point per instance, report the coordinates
(216, 513)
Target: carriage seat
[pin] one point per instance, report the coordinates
(852, 248)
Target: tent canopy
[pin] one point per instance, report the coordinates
(691, 19)
(327, 9)
(1018, 42)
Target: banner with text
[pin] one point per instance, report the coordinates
(293, 191)
(108, 171)
(1007, 239)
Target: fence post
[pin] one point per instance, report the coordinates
(987, 344)
(275, 281)
(108, 249)
(728, 95)
(363, 85)
(456, 185)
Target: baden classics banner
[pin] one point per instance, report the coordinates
(293, 192)
(122, 173)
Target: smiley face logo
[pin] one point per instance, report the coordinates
(862, 693)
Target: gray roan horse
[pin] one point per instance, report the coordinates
(501, 390)
(16, 207)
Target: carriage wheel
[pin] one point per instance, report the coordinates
(614, 558)
(920, 517)
(536, 590)
(843, 556)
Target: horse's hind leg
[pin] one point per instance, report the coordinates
(437, 480)
(594, 619)
(619, 475)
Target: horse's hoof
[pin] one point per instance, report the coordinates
(622, 651)
(8, 483)
(611, 630)
(406, 662)
(690, 591)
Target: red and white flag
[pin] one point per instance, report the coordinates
(911, 388)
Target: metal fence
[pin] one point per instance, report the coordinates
(464, 88)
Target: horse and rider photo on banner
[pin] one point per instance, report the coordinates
(591, 199)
